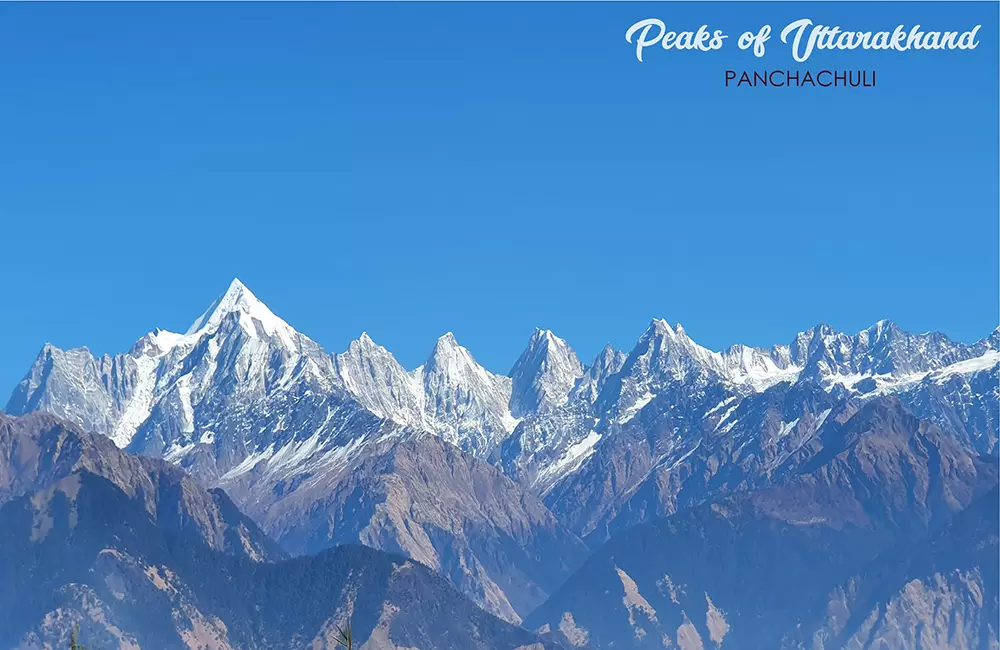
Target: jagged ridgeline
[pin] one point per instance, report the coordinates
(108, 550)
(505, 484)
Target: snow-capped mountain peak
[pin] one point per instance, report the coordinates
(544, 374)
(446, 341)
(607, 356)
(660, 327)
(665, 349)
(465, 403)
(159, 395)
(604, 366)
(882, 327)
(238, 299)
(451, 359)
(172, 392)
(661, 356)
(372, 375)
(365, 346)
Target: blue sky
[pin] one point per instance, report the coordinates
(409, 169)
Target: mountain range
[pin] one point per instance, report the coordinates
(505, 485)
(135, 554)
(752, 569)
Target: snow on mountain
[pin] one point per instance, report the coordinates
(372, 375)
(466, 404)
(882, 349)
(883, 353)
(544, 374)
(77, 387)
(159, 396)
(317, 445)
(305, 442)
(756, 368)
(252, 312)
(237, 347)
(174, 394)
(672, 398)
(666, 355)
(546, 447)
(604, 366)
(554, 441)
(663, 356)
(988, 360)
(963, 399)
(451, 395)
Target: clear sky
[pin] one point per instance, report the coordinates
(410, 169)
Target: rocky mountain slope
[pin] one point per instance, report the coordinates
(82, 552)
(418, 495)
(748, 570)
(936, 592)
(39, 451)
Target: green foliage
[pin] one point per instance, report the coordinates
(344, 636)
(73, 643)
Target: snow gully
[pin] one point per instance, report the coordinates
(797, 79)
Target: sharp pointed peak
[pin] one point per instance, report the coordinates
(547, 337)
(544, 345)
(237, 298)
(660, 327)
(607, 353)
(607, 361)
(449, 353)
(237, 291)
(446, 344)
(364, 342)
(237, 285)
(883, 325)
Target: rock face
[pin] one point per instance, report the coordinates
(746, 571)
(143, 559)
(494, 480)
(938, 592)
(40, 451)
(418, 495)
